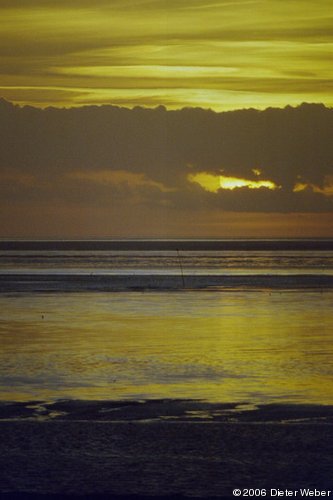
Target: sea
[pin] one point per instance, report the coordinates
(231, 321)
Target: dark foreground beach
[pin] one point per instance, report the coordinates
(162, 448)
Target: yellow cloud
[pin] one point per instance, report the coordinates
(326, 190)
(147, 71)
(117, 178)
(208, 182)
(223, 55)
(213, 183)
(17, 177)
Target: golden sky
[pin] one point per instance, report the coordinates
(109, 172)
(222, 55)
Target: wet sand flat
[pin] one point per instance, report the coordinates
(175, 456)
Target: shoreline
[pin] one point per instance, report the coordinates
(322, 244)
(67, 282)
(171, 410)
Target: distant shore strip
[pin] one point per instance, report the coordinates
(67, 282)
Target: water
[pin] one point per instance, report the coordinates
(265, 337)
(169, 257)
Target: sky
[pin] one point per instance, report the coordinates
(144, 163)
(223, 54)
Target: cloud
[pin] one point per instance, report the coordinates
(326, 189)
(282, 156)
(214, 183)
(142, 165)
(224, 55)
(118, 178)
(17, 178)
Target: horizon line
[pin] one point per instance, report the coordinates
(159, 107)
(106, 239)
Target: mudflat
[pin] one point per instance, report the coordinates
(162, 448)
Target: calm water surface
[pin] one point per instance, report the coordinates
(193, 262)
(256, 346)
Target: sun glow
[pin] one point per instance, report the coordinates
(234, 182)
(214, 183)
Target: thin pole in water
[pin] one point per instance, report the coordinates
(181, 267)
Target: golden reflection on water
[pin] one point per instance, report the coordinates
(222, 346)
